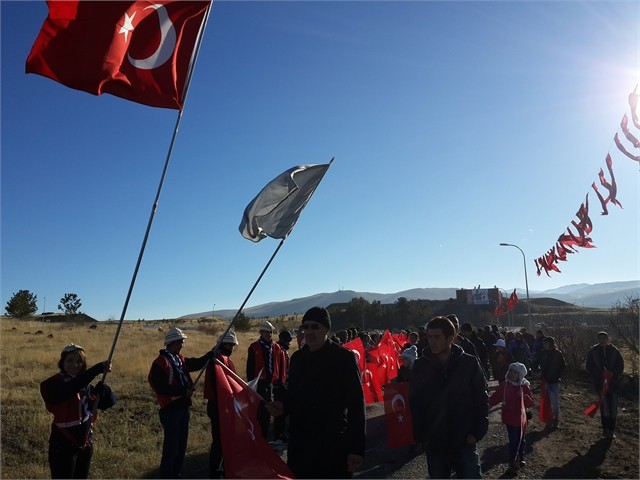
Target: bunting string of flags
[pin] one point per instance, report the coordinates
(578, 233)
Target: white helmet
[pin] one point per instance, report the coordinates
(173, 335)
(266, 327)
(229, 337)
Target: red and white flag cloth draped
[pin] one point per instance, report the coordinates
(398, 415)
(245, 452)
(275, 210)
(140, 51)
(357, 347)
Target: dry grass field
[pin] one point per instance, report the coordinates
(128, 438)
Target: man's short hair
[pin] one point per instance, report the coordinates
(454, 320)
(466, 327)
(444, 324)
(602, 334)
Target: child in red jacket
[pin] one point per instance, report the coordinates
(515, 395)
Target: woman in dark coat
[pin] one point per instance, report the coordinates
(69, 396)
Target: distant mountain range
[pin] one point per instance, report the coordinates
(599, 295)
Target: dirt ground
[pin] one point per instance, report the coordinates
(575, 450)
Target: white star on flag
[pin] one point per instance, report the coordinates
(128, 26)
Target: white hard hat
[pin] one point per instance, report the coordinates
(229, 337)
(266, 327)
(173, 335)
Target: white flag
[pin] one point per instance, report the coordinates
(275, 210)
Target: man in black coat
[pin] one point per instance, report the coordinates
(325, 403)
(449, 404)
(604, 361)
(552, 365)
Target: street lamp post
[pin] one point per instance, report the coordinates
(526, 282)
(213, 312)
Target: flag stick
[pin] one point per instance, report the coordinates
(154, 207)
(235, 317)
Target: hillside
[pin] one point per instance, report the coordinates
(598, 296)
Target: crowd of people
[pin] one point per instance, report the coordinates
(315, 395)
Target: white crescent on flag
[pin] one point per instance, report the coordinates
(166, 46)
(397, 397)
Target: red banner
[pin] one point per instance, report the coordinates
(245, 452)
(398, 415)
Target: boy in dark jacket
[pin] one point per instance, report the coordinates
(605, 362)
(448, 397)
(552, 365)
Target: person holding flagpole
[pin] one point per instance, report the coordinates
(605, 365)
(325, 403)
(170, 380)
(226, 344)
(265, 360)
(69, 396)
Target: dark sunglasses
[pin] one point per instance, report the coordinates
(311, 326)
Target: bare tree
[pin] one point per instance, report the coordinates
(572, 337)
(625, 321)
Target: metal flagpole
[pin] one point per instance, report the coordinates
(154, 206)
(264, 270)
(235, 317)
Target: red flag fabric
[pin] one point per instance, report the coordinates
(593, 408)
(357, 347)
(245, 452)
(140, 51)
(389, 358)
(370, 384)
(513, 299)
(398, 415)
(546, 413)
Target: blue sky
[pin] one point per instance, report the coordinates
(454, 125)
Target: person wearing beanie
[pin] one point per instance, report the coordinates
(265, 359)
(408, 356)
(515, 396)
(552, 365)
(170, 380)
(70, 397)
(226, 345)
(448, 399)
(604, 362)
(325, 404)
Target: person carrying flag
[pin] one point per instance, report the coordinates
(265, 359)
(170, 380)
(69, 396)
(552, 365)
(227, 344)
(605, 361)
(325, 403)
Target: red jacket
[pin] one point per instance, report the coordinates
(172, 380)
(71, 399)
(72, 411)
(256, 362)
(513, 406)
